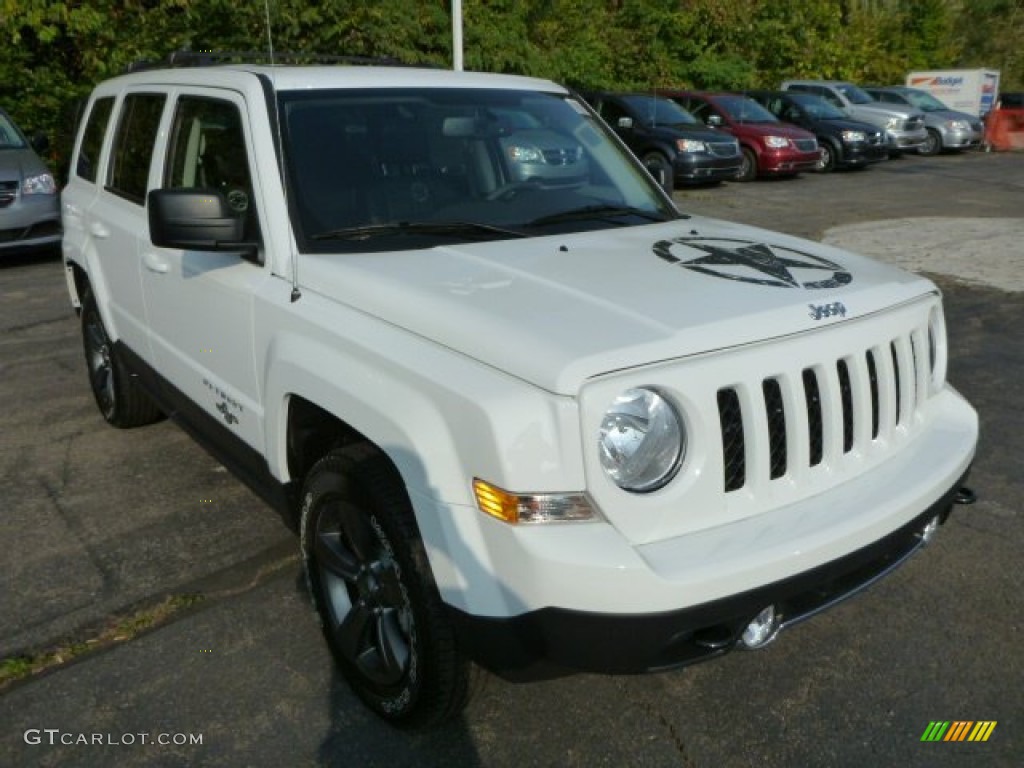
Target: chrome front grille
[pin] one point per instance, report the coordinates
(563, 156)
(724, 148)
(806, 145)
(843, 405)
(8, 191)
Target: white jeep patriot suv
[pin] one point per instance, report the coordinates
(527, 413)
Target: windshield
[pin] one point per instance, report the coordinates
(398, 169)
(10, 136)
(924, 101)
(816, 107)
(744, 110)
(854, 94)
(655, 111)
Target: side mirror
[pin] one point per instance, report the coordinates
(625, 123)
(40, 143)
(715, 121)
(195, 220)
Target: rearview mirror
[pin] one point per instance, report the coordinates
(715, 121)
(624, 122)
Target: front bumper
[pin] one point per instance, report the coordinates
(863, 154)
(703, 168)
(906, 140)
(962, 139)
(555, 641)
(30, 223)
(787, 162)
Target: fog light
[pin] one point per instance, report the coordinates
(762, 630)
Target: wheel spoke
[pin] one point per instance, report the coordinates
(352, 633)
(358, 534)
(391, 588)
(332, 555)
(392, 646)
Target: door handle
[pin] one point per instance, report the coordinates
(99, 231)
(155, 264)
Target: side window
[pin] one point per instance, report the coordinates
(207, 151)
(701, 110)
(830, 97)
(612, 112)
(92, 139)
(133, 145)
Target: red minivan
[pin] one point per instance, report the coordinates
(770, 147)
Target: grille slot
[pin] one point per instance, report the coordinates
(806, 145)
(846, 398)
(814, 425)
(733, 443)
(776, 427)
(873, 383)
(896, 379)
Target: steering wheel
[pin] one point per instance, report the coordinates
(510, 190)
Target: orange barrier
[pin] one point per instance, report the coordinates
(1004, 129)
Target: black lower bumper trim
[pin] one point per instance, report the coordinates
(554, 641)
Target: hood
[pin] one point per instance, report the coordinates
(696, 131)
(951, 114)
(556, 311)
(837, 125)
(769, 129)
(16, 164)
(890, 110)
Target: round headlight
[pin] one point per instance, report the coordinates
(642, 441)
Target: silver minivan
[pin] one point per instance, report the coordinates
(29, 211)
(904, 126)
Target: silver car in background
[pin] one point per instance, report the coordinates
(29, 210)
(947, 128)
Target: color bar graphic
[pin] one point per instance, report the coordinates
(958, 730)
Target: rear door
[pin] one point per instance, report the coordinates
(115, 217)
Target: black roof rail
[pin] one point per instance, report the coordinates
(180, 59)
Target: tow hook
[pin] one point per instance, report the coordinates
(965, 496)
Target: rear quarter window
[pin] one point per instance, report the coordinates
(87, 165)
(133, 145)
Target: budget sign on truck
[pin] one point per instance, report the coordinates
(966, 90)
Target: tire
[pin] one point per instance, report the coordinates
(661, 169)
(829, 156)
(378, 605)
(748, 168)
(121, 400)
(932, 146)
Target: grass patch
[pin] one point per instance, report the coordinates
(120, 629)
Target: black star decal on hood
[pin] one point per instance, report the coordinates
(757, 263)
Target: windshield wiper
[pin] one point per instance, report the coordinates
(470, 230)
(595, 212)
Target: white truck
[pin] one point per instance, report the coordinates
(973, 91)
(525, 411)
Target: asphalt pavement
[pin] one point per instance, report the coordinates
(102, 523)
